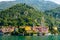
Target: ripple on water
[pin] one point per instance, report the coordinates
(52, 37)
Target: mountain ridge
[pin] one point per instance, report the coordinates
(39, 5)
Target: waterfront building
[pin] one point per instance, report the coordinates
(28, 29)
(41, 29)
(7, 29)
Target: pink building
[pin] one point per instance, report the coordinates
(41, 29)
(7, 29)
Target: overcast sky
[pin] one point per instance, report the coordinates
(56, 1)
(6, 0)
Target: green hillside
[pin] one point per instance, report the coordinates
(19, 14)
(22, 14)
(54, 13)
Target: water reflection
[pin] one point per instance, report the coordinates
(52, 37)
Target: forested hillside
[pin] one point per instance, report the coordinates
(22, 14)
(54, 13)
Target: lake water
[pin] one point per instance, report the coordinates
(30, 37)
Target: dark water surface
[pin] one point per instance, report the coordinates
(30, 37)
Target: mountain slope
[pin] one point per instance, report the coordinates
(39, 5)
(5, 5)
(19, 14)
(54, 13)
(22, 14)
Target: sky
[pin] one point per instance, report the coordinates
(6, 0)
(56, 1)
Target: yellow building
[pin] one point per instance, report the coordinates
(28, 29)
